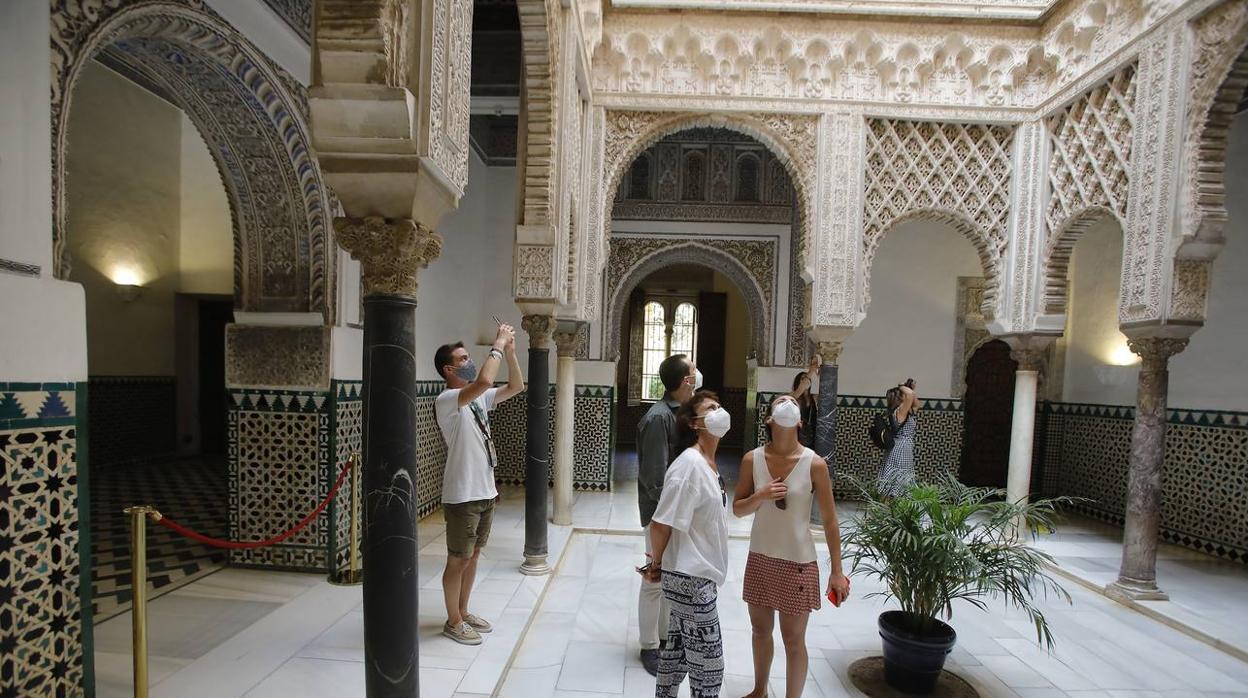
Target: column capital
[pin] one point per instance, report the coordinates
(1156, 351)
(829, 352)
(1029, 359)
(391, 251)
(541, 328)
(565, 341)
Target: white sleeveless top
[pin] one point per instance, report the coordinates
(784, 533)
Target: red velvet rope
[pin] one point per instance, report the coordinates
(218, 543)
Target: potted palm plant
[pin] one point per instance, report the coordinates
(938, 543)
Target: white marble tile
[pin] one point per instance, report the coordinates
(303, 676)
(114, 672)
(344, 641)
(528, 683)
(593, 666)
(1014, 673)
(483, 676)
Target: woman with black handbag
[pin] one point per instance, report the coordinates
(897, 473)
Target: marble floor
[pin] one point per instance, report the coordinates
(573, 634)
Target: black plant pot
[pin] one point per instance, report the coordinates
(914, 650)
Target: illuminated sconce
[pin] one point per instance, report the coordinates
(127, 283)
(1119, 364)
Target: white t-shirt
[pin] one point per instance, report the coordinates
(468, 476)
(692, 503)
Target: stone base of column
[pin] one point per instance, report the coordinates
(535, 566)
(1135, 590)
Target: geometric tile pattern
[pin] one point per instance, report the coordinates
(593, 437)
(937, 446)
(192, 492)
(430, 448)
(133, 419)
(1205, 476)
(279, 465)
(40, 607)
(348, 437)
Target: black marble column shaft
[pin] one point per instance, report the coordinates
(391, 665)
(537, 459)
(825, 421)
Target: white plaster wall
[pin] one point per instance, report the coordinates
(1212, 373)
(1093, 342)
(25, 134)
(472, 278)
(269, 33)
(908, 331)
(206, 239)
(123, 185)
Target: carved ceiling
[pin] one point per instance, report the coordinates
(1013, 10)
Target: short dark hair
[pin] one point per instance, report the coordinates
(686, 434)
(444, 356)
(673, 371)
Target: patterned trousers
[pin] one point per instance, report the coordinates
(694, 643)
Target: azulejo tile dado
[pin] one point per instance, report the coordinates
(37, 404)
(41, 629)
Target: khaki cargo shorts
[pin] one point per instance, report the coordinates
(468, 526)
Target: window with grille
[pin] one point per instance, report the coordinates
(669, 326)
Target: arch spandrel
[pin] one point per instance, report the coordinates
(252, 114)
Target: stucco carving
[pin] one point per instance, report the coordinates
(247, 108)
(1189, 290)
(837, 59)
(956, 174)
(791, 137)
(277, 357)
(540, 328)
(1217, 78)
(749, 264)
(540, 42)
(391, 253)
(535, 271)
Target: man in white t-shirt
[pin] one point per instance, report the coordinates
(468, 490)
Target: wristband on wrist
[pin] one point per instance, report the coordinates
(494, 352)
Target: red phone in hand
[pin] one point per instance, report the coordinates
(834, 597)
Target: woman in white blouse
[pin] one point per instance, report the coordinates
(689, 537)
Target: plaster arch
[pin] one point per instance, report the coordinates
(988, 249)
(1055, 266)
(704, 255)
(791, 137)
(250, 112)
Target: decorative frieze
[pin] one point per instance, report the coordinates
(277, 356)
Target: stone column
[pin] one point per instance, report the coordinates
(565, 423)
(825, 421)
(1023, 429)
(1137, 578)
(391, 252)
(537, 445)
(825, 425)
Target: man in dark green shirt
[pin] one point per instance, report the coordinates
(656, 449)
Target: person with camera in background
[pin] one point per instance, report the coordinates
(468, 489)
(897, 473)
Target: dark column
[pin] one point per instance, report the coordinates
(390, 253)
(537, 444)
(825, 422)
(1137, 578)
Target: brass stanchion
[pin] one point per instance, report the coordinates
(353, 575)
(138, 585)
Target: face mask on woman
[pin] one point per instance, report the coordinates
(786, 414)
(717, 422)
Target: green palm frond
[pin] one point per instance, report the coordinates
(945, 541)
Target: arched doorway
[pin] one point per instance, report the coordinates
(988, 411)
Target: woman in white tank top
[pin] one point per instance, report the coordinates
(779, 484)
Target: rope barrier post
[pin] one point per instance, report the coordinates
(352, 575)
(138, 584)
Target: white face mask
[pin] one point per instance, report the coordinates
(697, 379)
(717, 422)
(786, 414)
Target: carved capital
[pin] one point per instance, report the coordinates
(540, 328)
(829, 352)
(391, 252)
(565, 343)
(1156, 351)
(1029, 359)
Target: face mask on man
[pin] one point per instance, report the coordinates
(697, 379)
(786, 414)
(467, 371)
(717, 422)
